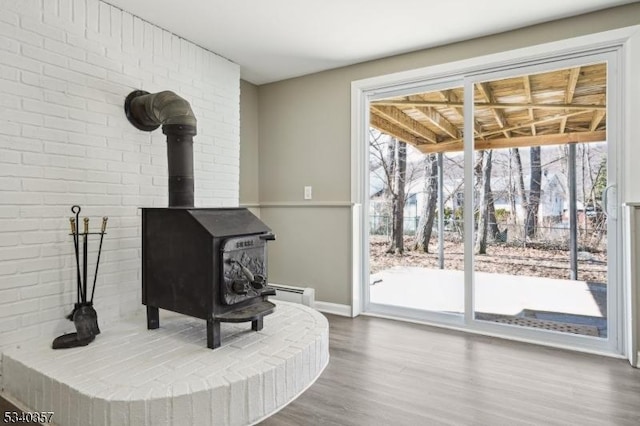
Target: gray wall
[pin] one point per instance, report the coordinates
(304, 139)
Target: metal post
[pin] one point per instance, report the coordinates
(440, 213)
(573, 214)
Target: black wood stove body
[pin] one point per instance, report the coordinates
(206, 263)
(209, 263)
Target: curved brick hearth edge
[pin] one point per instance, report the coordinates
(133, 376)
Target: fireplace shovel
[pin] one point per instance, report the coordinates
(85, 319)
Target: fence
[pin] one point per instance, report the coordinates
(381, 225)
(592, 234)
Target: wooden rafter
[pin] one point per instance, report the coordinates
(563, 125)
(596, 119)
(439, 121)
(574, 73)
(515, 142)
(405, 122)
(487, 94)
(534, 123)
(527, 91)
(389, 128)
(540, 140)
(549, 106)
(442, 147)
(556, 107)
(450, 96)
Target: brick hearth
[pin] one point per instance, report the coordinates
(133, 376)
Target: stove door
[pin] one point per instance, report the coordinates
(244, 269)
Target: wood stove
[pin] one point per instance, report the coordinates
(204, 262)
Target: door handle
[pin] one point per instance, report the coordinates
(613, 213)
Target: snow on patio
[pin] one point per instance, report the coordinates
(443, 291)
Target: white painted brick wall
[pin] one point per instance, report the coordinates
(66, 67)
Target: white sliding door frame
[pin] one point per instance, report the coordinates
(619, 47)
(615, 303)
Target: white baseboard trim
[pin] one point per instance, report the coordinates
(333, 308)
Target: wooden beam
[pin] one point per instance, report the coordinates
(527, 90)
(563, 125)
(597, 118)
(541, 140)
(534, 123)
(389, 128)
(490, 105)
(518, 142)
(405, 122)
(453, 146)
(452, 97)
(439, 121)
(487, 94)
(574, 74)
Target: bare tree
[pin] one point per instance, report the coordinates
(520, 180)
(427, 216)
(388, 163)
(398, 197)
(512, 196)
(485, 204)
(535, 184)
(391, 166)
(531, 203)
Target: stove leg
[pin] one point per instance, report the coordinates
(256, 325)
(153, 318)
(213, 333)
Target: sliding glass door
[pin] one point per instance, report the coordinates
(416, 203)
(545, 233)
(491, 202)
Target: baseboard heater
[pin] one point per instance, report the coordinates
(303, 295)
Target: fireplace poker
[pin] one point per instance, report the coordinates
(72, 222)
(84, 259)
(75, 225)
(86, 318)
(95, 276)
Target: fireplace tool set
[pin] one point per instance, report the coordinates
(84, 316)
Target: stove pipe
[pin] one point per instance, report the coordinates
(147, 112)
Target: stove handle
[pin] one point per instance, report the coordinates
(268, 291)
(268, 237)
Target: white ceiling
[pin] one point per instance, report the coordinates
(273, 40)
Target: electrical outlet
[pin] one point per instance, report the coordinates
(307, 193)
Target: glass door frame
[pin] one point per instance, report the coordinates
(450, 319)
(556, 55)
(615, 305)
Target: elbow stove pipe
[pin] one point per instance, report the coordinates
(147, 112)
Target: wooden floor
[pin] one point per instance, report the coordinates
(385, 372)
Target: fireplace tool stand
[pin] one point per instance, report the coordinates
(83, 315)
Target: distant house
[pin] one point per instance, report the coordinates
(554, 199)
